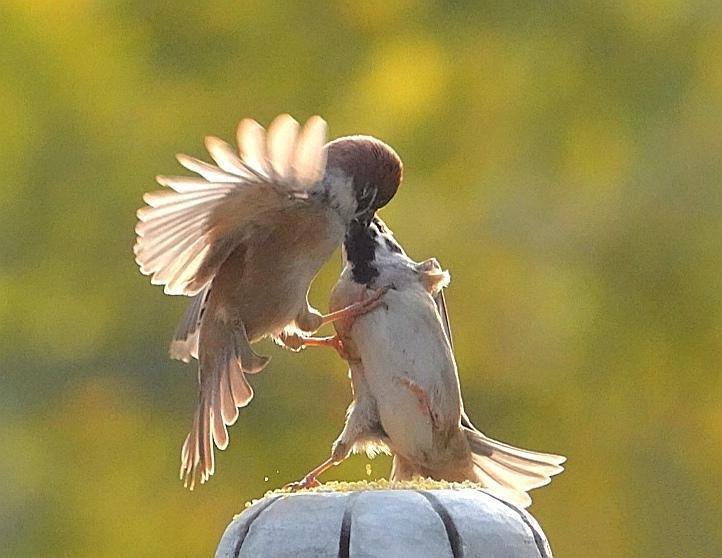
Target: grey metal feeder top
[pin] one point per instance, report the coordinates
(395, 523)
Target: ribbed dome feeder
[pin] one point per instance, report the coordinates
(382, 519)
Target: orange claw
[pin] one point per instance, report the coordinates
(311, 479)
(334, 342)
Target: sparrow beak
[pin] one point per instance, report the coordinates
(366, 205)
(384, 193)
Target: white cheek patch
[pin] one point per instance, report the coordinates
(340, 192)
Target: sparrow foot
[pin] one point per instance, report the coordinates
(333, 342)
(305, 482)
(353, 311)
(311, 479)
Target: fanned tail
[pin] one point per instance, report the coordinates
(224, 360)
(509, 471)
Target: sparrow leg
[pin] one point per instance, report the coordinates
(296, 343)
(332, 341)
(362, 423)
(309, 320)
(311, 479)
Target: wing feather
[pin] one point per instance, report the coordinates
(177, 285)
(160, 254)
(252, 143)
(175, 261)
(181, 230)
(226, 158)
(210, 172)
(188, 184)
(310, 158)
(163, 224)
(165, 235)
(440, 301)
(178, 207)
(162, 198)
(282, 137)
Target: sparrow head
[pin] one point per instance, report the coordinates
(372, 168)
(384, 239)
(368, 246)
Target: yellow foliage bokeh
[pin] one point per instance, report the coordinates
(563, 161)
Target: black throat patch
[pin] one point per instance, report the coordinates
(360, 244)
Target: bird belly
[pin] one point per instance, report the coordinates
(409, 371)
(265, 287)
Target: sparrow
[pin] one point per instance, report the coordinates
(406, 393)
(245, 238)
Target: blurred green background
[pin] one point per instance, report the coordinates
(564, 160)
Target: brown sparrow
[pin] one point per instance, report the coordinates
(245, 238)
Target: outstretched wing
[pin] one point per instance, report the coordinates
(185, 233)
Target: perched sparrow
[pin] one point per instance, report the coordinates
(407, 397)
(245, 238)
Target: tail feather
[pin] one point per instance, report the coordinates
(511, 471)
(501, 488)
(526, 464)
(223, 389)
(252, 363)
(546, 458)
(513, 476)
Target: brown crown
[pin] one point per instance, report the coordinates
(370, 162)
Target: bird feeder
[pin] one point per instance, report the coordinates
(395, 520)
